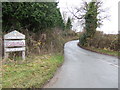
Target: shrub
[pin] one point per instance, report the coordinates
(104, 41)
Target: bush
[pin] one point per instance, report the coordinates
(104, 41)
(82, 39)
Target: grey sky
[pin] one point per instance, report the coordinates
(109, 26)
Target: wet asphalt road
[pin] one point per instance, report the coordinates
(85, 69)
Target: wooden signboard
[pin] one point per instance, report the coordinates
(13, 42)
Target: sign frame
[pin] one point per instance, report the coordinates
(14, 42)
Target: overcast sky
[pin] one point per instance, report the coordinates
(109, 26)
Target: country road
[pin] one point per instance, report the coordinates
(85, 69)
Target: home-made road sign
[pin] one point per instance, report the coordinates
(13, 42)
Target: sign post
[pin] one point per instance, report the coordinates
(14, 42)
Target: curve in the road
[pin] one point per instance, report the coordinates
(85, 69)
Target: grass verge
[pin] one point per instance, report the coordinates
(31, 74)
(102, 51)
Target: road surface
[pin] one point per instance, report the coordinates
(85, 69)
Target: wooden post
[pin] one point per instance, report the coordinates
(51, 47)
(6, 55)
(23, 55)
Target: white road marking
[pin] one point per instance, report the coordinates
(83, 53)
(109, 63)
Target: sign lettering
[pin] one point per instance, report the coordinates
(14, 43)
